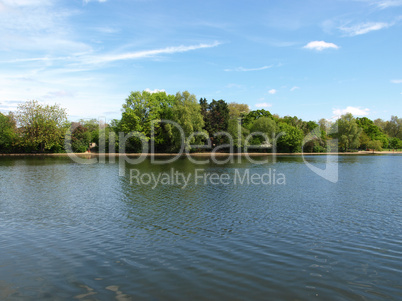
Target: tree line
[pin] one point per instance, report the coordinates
(164, 119)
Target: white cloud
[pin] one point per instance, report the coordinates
(155, 90)
(263, 105)
(98, 59)
(364, 28)
(272, 91)
(15, 3)
(87, 1)
(388, 3)
(356, 111)
(320, 45)
(396, 81)
(294, 88)
(241, 69)
(147, 53)
(58, 94)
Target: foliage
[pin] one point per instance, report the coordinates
(290, 139)
(394, 127)
(264, 125)
(237, 110)
(375, 145)
(238, 132)
(187, 113)
(395, 143)
(80, 139)
(348, 132)
(143, 110)
(254, 115)
(8, 133)
(372, 131)
(42, 126)
(216, 119)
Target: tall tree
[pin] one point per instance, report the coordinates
(254, 115)
(372, 131)
(43, 126)
(291, 138)
(140, 111)
(8, 133)
(238, 110)
(394, 127)
(348, 132)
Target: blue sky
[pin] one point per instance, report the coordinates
(313, 59)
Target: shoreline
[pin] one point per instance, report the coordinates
(198, 154)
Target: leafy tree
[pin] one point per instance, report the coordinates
(187, 113)
(254, 115)
(237, 110)
(140, 110)
(263, 125)
(375, 145)
(395, 143)
(325, 125)
(380, 123)
(80, 139)
(8, 133)
(43, 126)
(394, 127)
(364, 140)
(216, 118)
(291, 139)
(372, 130)
(293, 121)
(233, 130)
(348, 132)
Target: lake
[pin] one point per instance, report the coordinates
(73, 231)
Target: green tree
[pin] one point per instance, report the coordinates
(254, 115)
(364, 140)
(187, 113)
(372, 130)
(395, 143)
(43, 126)
(394, 127)
(80, 139)
(348, 132)
(290, 139)
(264, 125)
(238, 137)
(237, 110)
(216, 118)
(8, 133)
(140, 110)
(375, 145)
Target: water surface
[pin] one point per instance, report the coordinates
(69, 231)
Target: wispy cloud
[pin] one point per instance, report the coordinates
(87, 1)
(320, 45)
(107, 58)
(58, 94)
(263, 105)
(396, 81)
(272, 91)
(364, 28)
(148, 53)
(388, 3)
(155, 90)
(294, 88)
(356, 111)
(241, 69)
